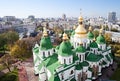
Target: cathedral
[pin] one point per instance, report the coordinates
(80, 58)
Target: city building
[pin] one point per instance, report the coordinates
(79, 59)
(112, 17)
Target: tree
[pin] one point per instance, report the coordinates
(96, 33)
(22, 48)
(2, 42)
(6, 61)
(11, 37)
(108, 38)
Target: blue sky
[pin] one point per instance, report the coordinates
(55, 8)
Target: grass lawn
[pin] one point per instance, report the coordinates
(10, 76)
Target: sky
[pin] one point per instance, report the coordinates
(55, 8)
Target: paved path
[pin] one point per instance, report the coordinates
(30, 70)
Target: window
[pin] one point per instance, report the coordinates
(69, 60)
(71, 72)
(48, 53)
(62, 76)
(64, 61)
(80, 57)
(53, 50)
(43, 54)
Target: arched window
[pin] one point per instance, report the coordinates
(64, 61)
(80, 57)
(43, 54)
(69, 60)
(48, 53)
(62, 76)
(71, 72)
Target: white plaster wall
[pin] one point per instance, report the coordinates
(77, 72)
(61, 59)
(67, 73)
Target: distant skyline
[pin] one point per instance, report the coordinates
(55, 8)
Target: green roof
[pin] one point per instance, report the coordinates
(73, 79)
(51, 63)
(73, 33)
(85, 63)
(93, 45)
(45, 43)
(100, 39)
(108, 58)
(80, 49)
(90, 35)
(94, 58)
(65, 49)
(54, 78)
(104, 63)
(36, 50)
(78, 66)
(111, 55)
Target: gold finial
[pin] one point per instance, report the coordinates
(45, 32)
(90, 28)
(80, 20)
(101, 31)
(65, 37)
(94, 39)
(74, 27)
(81, 43)
(102, 27)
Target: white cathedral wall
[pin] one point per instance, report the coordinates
(77, 72)
(78, 40)
(102, 46)
(81, 56)
(61, 59)
(67, 74)
(42, 74)
(46, 53)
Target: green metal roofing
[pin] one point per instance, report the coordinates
(93, 58)
(73, 79)
(93, 45)
(85, 63)
(80, 49)
(104, 63)
(78, 66)
(111, 55)
(90, 35)
(45, 43)
(100, 39)
(54, 78)
(73, 33)
(51, 63)
(36, 50)
(108, 58)
(65, 49)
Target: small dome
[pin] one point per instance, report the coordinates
(100, 39)
(65, 49)
(80, 49)
(90, 35)
(65, 37)
(45, 43)
(93, 58)
(93, 45)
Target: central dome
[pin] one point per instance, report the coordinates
(80, 30)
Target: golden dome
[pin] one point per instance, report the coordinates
(45, 32)
(65, 37)
(80, 30)
(90, 28)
